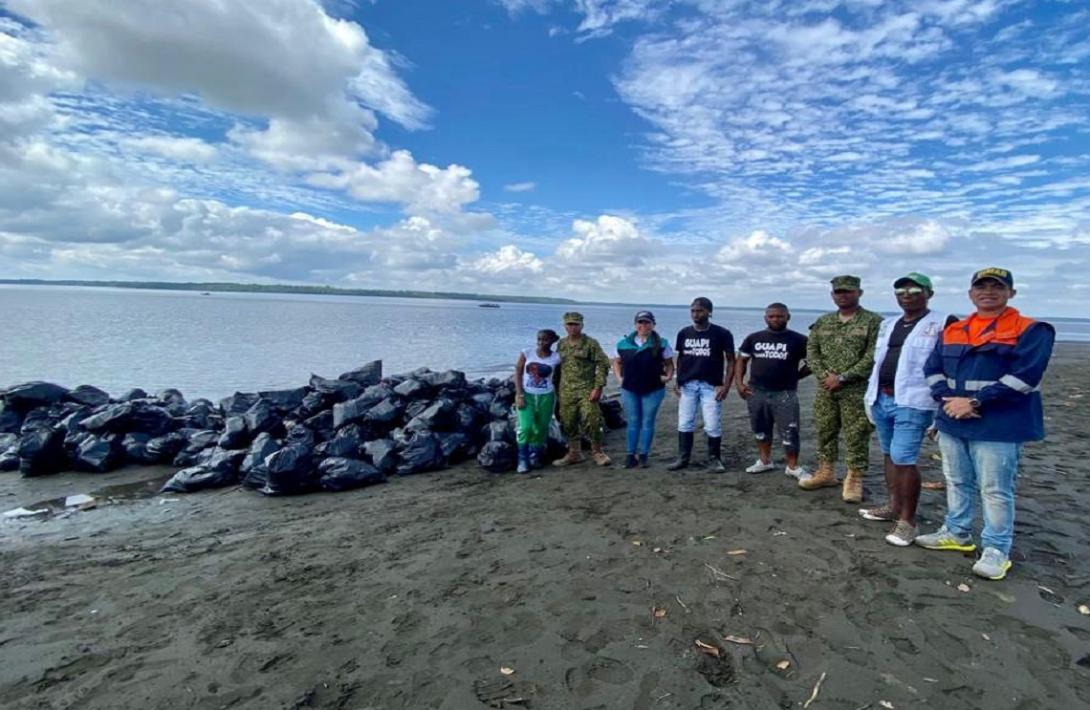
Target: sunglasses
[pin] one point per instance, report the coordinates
(908, 291)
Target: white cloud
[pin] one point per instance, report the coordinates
(508, 260)
(608, 240)
(520, 186)
(184, 149)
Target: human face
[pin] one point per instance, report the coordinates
(911, 297)
(990, 295)
(544, 342)
(847, 297)
(573, 329)
(699, 314)
(644, 328)
(776, 319)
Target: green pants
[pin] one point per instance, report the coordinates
(580, 417)
(842, 412)
(534, 418)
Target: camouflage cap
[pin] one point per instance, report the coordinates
(573, 317)
(851, 283)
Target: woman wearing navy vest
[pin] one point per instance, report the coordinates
(643, 362)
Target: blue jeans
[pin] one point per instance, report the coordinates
(900, 429)
(699, 395)
(640, 410)
(986, 470)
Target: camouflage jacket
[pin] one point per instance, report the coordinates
(844, 348)
(583, 364)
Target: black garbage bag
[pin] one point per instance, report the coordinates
(161, 449)
(467, 418)
(482, 401)
(501, 431)
(238, 403)
(384, 414)
(252, 467)
(313, 403)
(200, 415)
(260, 417)
(448, 380)
(284, 401)
(348, 443)
(367, 375)
(415, 407)
(41, 452)
(339, 390)
(557, 444)
(88, 395)
(499, 410)
(220, 470)
(352, 411)
(8, 441)
(99, 454)
(341, 474)
(300, 434)
(34, 394)
(419, 454)
(290, 470)
(612, 413)
(170, 396)
(135, 446)
(73, 421)
(132, 395)
(455, 446)
(41, 418)
(196, 442)
(383, 454)
(439, 416)
(412, 389)
(113, 417)
(321, 424)
(235, 434)
(9, 461)
(150, 419)
(11, 419)
(497, 456)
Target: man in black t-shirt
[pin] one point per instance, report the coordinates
(705, 364)
(779, 361)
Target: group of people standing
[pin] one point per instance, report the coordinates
(973, 383)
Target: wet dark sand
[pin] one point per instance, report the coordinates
(414, 594)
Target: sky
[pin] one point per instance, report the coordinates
(642, 151)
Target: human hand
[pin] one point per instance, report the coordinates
(595, 394)
(721, 393)
(520, 401)
(960, 408)
(745, 391)
(831, 382)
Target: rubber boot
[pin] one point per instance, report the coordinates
(630, 461)
(715, 454)
(573, 456)
(684, 451)
(852, 492)
(824, 477)
(524, 458)
(536, 456)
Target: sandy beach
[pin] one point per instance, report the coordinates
(592, 587)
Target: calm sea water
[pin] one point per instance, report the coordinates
(211, 346)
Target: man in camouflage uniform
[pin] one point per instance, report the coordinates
(579, 382)
(840, 353)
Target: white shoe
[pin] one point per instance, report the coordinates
(760, 467)
(800, 473)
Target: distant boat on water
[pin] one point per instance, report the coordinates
(488, 305)
(205, 293)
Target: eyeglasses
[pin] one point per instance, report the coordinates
(908, 291)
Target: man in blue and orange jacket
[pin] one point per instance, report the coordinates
(986, 372)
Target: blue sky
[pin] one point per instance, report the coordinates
(603, 149)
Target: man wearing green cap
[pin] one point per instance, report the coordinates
(840, 353)
(899, 403)
(580, 380)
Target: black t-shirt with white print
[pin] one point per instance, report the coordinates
(774, 358)
(702, 354)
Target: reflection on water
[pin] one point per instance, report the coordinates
(212, 345)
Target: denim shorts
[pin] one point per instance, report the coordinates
(900, 429)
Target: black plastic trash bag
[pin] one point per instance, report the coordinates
(41, 452)
(385, 413)
(115, 417)
(88, 395)
(34, 394)
(290, 470)
(260, 418)
(348, 443)
(497, 456)
(135, 446)
(339, 390)
(284, 401)
(438, 416)
(235, 434)
(612, 413)
(501, 430)
(455, 446)
(367, 375)
(11, 419)
(99, 454)
(161, 449)
(198, 478)
(238, 403)
(132, 395)
(383, 454)
(419, 454)
(352, 411)
(150, 419)
(341, 474)
(411, 389)
(313, 403)
(252, 467)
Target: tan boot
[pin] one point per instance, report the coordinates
(824, 477)
(852, 491)
(573, 456)
(600, 457)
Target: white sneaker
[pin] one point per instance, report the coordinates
(760, 467)
(800, 473)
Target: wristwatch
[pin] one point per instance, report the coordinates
(842, 379)
(975, 403)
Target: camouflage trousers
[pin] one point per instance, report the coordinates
(837, 413)
(579, 416)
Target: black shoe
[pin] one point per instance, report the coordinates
(644, 463)
(630, 461)
(684, 451)
(715, 465)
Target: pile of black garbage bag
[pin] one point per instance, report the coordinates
(332, 434)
